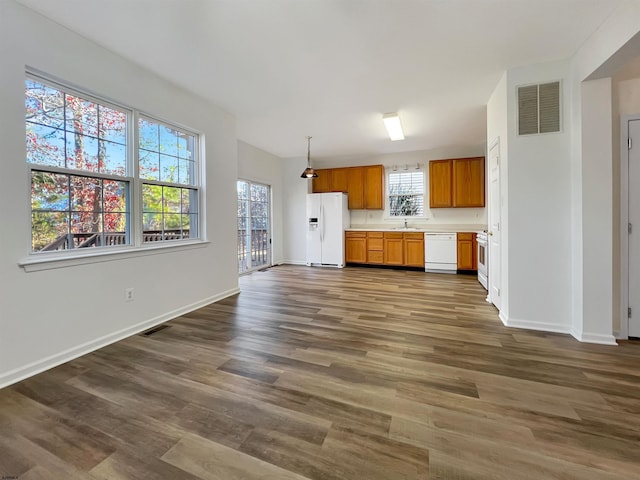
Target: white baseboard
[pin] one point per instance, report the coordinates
(51, 361)
(594, 338)
(529, 325)
(294, 262)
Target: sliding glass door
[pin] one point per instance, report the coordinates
(254, 226)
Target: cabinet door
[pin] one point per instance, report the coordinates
(468, 182)
(414, 249)
(355, 248)
(374, 187)
(339, 180)
(355, 187)
(393, 249)
(466, 251)
(440, 183)
(322, 184)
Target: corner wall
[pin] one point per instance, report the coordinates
(50, 316)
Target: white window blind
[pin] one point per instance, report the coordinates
(406, 193)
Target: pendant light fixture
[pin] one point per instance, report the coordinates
(309, 172)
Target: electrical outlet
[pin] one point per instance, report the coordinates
(128, 294)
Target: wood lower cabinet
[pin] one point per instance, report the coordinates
(467, 251)
(413, 249)
(385, 248)
(393, 248)
(355, 247)
(375, 248)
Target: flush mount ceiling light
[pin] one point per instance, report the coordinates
(309, 172)
(394, 129)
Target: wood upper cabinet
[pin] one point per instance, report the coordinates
(364, 185)
(355, 247)
(440, 183)
(374, 187)
(322, 184)
(456, 183)
(467, 251)
(393, 248)
(339, 180)
(414, 249)
(355, 187)
(468, 182)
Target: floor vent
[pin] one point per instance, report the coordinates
(153, 330)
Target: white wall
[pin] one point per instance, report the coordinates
(294, 210)
(261, 167)
(538, 218)
(50, 316)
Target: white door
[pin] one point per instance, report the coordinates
(634, 220)
(495, 201)
(254, 226)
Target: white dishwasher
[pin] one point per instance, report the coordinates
(440, 252)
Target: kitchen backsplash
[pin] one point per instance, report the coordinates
(439, 216)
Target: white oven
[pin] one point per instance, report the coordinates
(483, 257)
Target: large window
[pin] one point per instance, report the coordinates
(406, 193)
(85, 177)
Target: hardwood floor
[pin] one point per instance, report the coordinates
(331, 374)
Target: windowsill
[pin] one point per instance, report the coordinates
(49, 261)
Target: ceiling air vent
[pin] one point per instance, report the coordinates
(539, 108)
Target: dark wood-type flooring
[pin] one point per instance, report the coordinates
(364, 374)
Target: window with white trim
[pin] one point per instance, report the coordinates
(85, 177)
(406, 193)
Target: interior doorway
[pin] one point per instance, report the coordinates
(254, 226)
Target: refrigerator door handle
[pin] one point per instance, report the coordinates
(321, 223)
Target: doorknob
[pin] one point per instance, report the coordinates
(490, 234)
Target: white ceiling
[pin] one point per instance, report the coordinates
(330, 68)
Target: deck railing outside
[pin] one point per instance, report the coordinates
(253, 245)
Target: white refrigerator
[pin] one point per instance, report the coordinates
(327, 219)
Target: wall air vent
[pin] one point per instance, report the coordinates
(539, 108)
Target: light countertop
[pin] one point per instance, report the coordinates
(444, 228)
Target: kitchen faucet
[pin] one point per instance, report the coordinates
(405, 223)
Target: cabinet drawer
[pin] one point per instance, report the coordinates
(374, 244)
(392, 235)
(375, 256)
(355, 234)
(375, 234)
(414, 236)
(465, 236)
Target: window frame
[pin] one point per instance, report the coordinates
(39, 260)
(387, 205)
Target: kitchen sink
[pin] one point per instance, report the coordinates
(406, 228)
